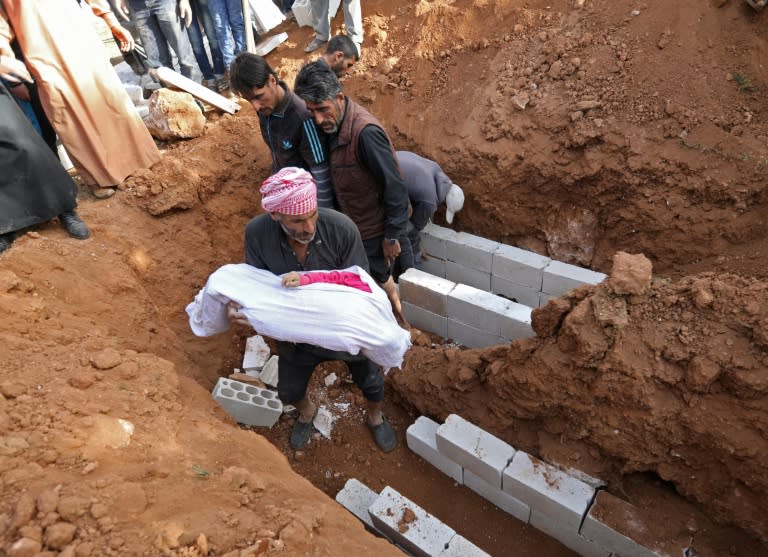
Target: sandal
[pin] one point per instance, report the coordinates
(384, 435)
(301, 432)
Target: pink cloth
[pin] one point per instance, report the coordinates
(346, 278)
(291, 191)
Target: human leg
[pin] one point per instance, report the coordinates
(213, 42)
(151, 36)
(172, 29)
(353, 21)
(294, 369)
(237, 24)
(321, 24)
(218, 13)
(196, 42)
(369, 379)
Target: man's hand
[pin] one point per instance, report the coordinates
(233, 312)
(13, 70)
(292, 280)
(185, 12)
(391, 250)
(124, 39)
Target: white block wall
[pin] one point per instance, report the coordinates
(531, 490)
(527, 277)
(247, 404)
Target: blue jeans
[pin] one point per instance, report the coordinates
(159, 26)
(200, 14)
(228, 17)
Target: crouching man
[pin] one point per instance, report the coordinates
(296, 235)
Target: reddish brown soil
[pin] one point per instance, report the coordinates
(662, 394)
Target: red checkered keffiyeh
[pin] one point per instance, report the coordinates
(291, 191)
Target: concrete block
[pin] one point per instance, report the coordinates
(357, 498)
(434, 240)
(134, 92)
(462, 547)
(570, 539)
(408, 525)
(474, 449)
(516, 322)
(247, 404)
(256, 353)
(476, 307)
(522, 267)
(268, 373)
(472, 337)
(462, 274)
(323, 421)
(425, 320)
(561, 277)
(424, 290)
(433, 266)
(548, 490)
(521, 294)
(495, 495)
(421, 438)
(623, 529)
(471, 251)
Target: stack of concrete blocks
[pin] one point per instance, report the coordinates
(468, 315)
(405, 523)
(562, 506)
(247, 404)
(527, 277)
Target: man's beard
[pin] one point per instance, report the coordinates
(300, 238)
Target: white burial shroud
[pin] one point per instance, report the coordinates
(332, 316)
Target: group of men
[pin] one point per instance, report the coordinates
(357, 212)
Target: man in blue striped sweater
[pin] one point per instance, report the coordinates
(286, 125)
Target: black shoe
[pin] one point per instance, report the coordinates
(74, 225)
(384, 436)
(301, 432)
(6, 240)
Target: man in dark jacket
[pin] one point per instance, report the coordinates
(366, 179)
(295, 235)
(286, 124)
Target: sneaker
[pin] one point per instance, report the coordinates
(6, 240)
(314, 45)
(301, 432)
(74, 225)
(384, 435)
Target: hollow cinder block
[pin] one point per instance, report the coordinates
(495, 495)
(408, 525)
(474, 449)
(434, 240)
(519, 266)
(561, 277)
(623, 529)
(472, 337)
(357, 498)
(566, 536)
(462, 274)
(462, 547)
(525, 295)
(548, 490)
(425, 320)
(421, 438)
(471, 251)
(424, 290)
(247, 404)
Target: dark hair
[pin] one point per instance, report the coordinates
(248, 71)
(316, 82)
(342, 43)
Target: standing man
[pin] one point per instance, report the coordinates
(366, 179)
(296, 235)
(428, 187)
(286, 124)
(163, 23)
(341, 54)
(353, 21)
